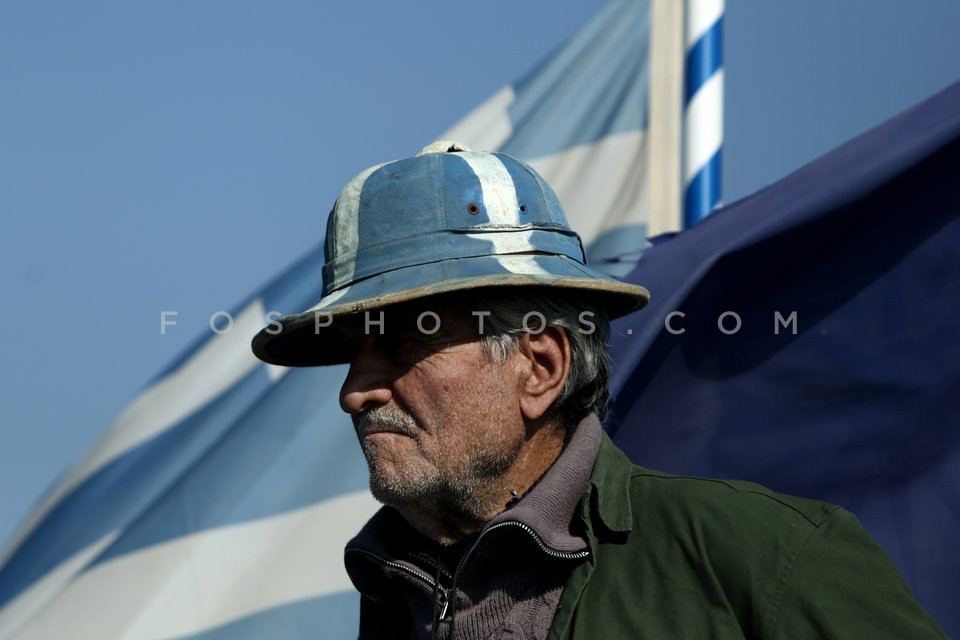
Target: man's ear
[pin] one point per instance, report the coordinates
(546, 361)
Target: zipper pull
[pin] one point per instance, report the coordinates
(443, 597)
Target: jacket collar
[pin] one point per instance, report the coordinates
(548, 508)
(608, 496)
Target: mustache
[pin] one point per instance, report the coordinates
(386, 419)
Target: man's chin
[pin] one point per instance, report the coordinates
(390, 496)
(396, 489)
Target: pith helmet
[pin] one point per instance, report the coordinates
(445, 220)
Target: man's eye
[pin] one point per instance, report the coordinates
(401, 344)
(348, 344)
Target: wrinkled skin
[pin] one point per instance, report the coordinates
(448, 433)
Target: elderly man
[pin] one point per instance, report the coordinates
(476, 337)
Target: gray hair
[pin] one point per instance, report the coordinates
(587, 326)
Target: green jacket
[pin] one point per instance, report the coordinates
(679, 557)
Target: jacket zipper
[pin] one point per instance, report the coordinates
(566, 555)
(443, 594)
(396, 565)
(577, 555)
(446, 595)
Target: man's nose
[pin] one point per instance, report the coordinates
(366, 386)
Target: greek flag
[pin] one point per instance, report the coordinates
(218, 503)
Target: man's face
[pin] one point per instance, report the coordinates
(437, 419)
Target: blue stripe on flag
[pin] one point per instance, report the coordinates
(703, 60)
(702, 194)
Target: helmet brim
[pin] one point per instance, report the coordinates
(311, 338)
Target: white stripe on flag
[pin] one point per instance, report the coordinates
(202, 581)
(488, 126)
(601, 185)
(701, 15)
(705, 116)
(22, 609)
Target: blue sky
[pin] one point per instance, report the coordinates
(177, 155)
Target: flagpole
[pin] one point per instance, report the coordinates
(703, 108)
(666, 107)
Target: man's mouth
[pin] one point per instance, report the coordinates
(374, 432)
(376, 421)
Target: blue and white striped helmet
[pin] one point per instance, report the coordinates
(447, 219)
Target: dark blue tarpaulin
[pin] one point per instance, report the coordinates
(861, 405)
